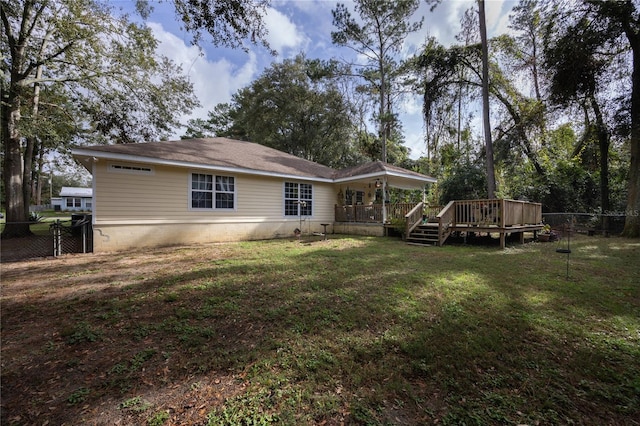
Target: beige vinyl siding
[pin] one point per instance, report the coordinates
(150, 210)
(324, 197)
(163, 197)
(134, 197)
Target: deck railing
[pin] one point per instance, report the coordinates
(371, 213)
(522, 213)
(497, 212)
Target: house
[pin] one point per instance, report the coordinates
(219, 189)
(73, 199)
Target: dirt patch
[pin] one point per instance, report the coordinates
(79, 346)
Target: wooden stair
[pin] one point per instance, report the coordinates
(425, 234)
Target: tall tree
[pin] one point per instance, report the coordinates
(491, 175)
(100, 69)
(378, 36)
(295, 107)
(622, 21)
(582, 61)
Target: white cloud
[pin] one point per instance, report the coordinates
(283, 34)
(213, 81)
(414, 140)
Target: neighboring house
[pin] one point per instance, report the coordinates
(74, 199)
(218, 189)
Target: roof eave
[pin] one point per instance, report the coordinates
(386, 173)
(85, 156)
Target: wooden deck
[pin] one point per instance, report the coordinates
(499, 216)
(431, 225)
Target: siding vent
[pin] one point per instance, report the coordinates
(138, 170)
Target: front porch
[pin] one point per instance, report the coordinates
(363, 197)
(370, 219)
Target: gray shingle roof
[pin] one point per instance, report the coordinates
(221, 152)
(241, 155)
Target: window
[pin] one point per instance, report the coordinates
(203, 191)
(298, 199)
(74, 202)
(224, 192)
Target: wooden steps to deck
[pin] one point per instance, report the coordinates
(425, 234)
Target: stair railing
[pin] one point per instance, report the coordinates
(412, 219)
(446, 218)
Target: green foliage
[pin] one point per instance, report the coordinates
(78, 396)
(35, 217)
(82, 332)
(295, 107)
(465, 181)
(244, 410)
(228, 23)
(158, 419)
(79, 73)
(135, 404)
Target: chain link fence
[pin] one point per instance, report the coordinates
(585, 223)
(49, 239)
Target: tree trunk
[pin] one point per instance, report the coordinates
(383, 126)
(491, 177)
(17, 217)
(39, 183)
(603, 144)
(632, 220)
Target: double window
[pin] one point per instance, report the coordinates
(212, 192)
(74, 202)
(298, 199)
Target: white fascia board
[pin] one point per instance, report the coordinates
(360, 177)
(425, 179)
(383, 174)
(162, 162)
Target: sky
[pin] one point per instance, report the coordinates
(302, 26)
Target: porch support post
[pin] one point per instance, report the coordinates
(384, 199)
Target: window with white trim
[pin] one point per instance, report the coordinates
(204, 194)
(74, 202)
(298, 199)
(225, 192)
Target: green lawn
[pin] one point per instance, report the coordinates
(350, 330)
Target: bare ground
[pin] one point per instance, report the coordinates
(54, 373)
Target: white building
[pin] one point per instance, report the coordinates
(74, 199)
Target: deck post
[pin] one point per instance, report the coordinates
(502, 240)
